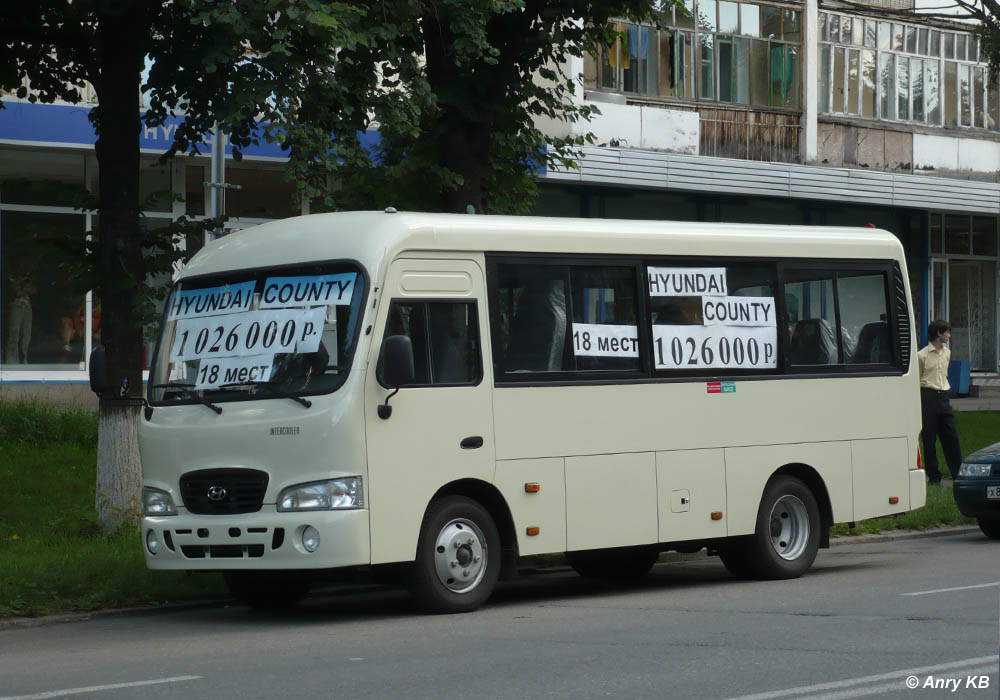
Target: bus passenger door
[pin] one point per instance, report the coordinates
(441, 426)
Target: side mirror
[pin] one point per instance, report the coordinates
(99, 382)
(397, 368)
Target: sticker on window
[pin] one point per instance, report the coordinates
(283, 292)
(738, 311)
(249, 333)
(687, 281)
(715, 347)
(211, 301)
(233, 370)
(605, 340)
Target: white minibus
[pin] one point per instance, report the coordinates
(443, 394)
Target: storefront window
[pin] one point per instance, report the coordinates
(43, 309)
(42, 179)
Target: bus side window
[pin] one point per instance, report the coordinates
(535, 332)
(445, 337)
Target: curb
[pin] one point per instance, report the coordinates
(666, 557)
(893, 535)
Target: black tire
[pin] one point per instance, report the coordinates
(267, 590)
(786, 538)
(458, 557)
(623, 564)
(990, 526)
(734, 554)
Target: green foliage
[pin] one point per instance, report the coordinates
(36, 424)
(53, 556)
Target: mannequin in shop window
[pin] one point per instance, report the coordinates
(22, 288)
(73, 328)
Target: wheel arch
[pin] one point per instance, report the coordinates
(492, 500)
(814, 482)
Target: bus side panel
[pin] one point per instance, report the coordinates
(749, 468)
(691, 485)
(544, 509)
(881, 472)
(610, 501)
(918, 481)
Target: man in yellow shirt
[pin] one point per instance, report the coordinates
(935, 408)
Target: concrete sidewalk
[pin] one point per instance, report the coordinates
(979, 403)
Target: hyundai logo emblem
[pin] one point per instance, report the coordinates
(217, 493)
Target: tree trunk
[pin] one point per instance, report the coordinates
(119, 482)
(121, 30)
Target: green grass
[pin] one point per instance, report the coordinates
(53, 557)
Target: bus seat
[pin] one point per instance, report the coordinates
(873, 344)
(813, 343)
(538, 329)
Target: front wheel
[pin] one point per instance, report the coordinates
(990, 526)
(786, 537)
(458, 556)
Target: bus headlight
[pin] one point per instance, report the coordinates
(332, 494)
(157, 502)
(975, 469)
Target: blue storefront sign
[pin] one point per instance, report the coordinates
(68, 126)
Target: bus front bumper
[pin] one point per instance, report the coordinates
(264, 540)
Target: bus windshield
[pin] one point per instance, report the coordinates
(269, 333)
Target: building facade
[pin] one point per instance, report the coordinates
(760, 111)
(827, 113)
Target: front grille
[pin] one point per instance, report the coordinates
(233, 491)
(223, 551)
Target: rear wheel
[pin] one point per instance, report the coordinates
(786, 538)
(990, 526)
(458, 556)
(267, 590)
(624, 564)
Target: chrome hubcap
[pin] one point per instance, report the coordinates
(460, 555)
(789, 524)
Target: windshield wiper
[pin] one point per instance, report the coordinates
(186, 390)
(257, 382)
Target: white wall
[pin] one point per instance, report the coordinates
(952, 154)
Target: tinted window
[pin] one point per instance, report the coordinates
(445, 338)
(565, 318)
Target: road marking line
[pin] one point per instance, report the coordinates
(960, 588)
(847, 683)
(898, 686)
(95, 688)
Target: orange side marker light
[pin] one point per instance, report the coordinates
(532, 531)
(893, 500)
(532, 487)
(716, 515)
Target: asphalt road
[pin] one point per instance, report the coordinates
(864, 619)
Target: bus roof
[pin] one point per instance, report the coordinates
(372, 236)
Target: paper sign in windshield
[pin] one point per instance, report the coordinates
(282, 292)
(211, 301)
(715, 347)
(233, 370)
(248, 333)
(738, 311)
(605, 340)
(687, 281)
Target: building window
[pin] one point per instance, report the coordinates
(908, 84)
(715, 50)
